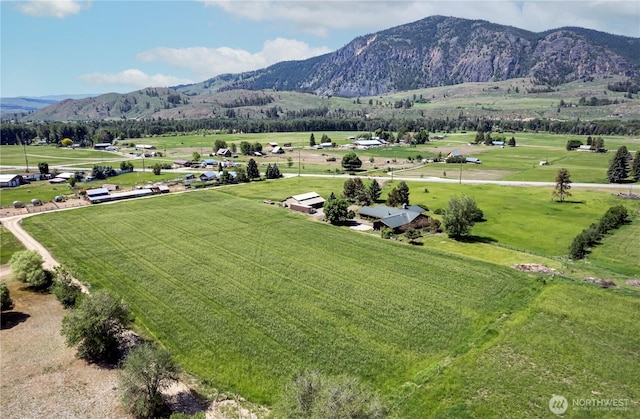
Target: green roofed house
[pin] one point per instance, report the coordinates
(398, 219)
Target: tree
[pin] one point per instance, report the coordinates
(635, 167)
(252, 169)
(66, 142)
(157, 169)
(43, 167)
(27, 267)
(146, 371)
(95, 326)
(479, 137)
(312, 395)
(337, 211)
(618, 170)
(512, 142)
(461, 214)
(355, 191)
(350, 161)
(195, 156)
(312, 140)
(218, 144)
(241, 175)
(64, 288)
(289, 162)
(273, 172)
(487, 138)
(6, 303)
(374, 190)
(563, 184)
(399, 195)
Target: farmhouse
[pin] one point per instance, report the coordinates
(225, 152)
(454, 153)
(208, 176)
(306, 202)
(183, 163)
(398, 219)
(277, 150)
(208, 162)
(10, 181)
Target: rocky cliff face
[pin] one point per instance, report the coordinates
(440, 51)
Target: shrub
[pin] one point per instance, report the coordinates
(6, 303)
(27, 267)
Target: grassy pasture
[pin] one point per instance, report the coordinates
(572, 340)
(257, 292)
(8, 245)
(434, 327)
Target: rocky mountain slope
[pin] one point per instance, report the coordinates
(438, 51)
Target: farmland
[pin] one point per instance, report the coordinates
(258, 292)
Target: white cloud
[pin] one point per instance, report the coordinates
(208, 62)
(320, 17)
(52, 8)
(132, 78)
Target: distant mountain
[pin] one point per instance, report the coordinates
(9, 105)
(439, 51)
(430, 53)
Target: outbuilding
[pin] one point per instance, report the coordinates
(309, 199)
(11, 181)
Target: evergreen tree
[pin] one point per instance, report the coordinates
(252, 169)
(563, 184)
(618, 170)
(374, 190)
(479, 136)
(312, 140)
(512, 142)
(635, 167)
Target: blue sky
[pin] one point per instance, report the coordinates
(94, 47)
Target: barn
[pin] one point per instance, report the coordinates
(306, 202)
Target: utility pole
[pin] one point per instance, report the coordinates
(460, 172)
(298, 162)
(24, 149)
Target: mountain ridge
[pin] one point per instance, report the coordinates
(437, 51)
(433, 52)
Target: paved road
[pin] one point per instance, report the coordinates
(478, 181)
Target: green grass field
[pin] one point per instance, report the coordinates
(8, 246)
(445, 329)
(258, 292)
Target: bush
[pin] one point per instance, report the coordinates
(95, 326)
(313, 395)
(146, 370)
(27, 267)
(6, 303)
(67, 292)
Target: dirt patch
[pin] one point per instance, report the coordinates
(39, 375)
(633, 282)
(534, 268)
(606, 283)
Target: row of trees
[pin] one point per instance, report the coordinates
(89, 133)
(614, 218)
(94, 326)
